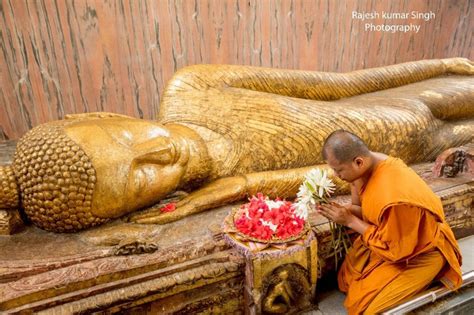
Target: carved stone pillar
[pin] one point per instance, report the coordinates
(281, 278)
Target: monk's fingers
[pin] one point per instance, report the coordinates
(326, 211)
(338, 208)
(330, 208)
(323, 213)
(328, 216)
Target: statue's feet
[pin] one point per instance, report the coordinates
(454, 161)
(459, 66)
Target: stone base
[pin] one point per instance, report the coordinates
(193, 269)
(283, 282)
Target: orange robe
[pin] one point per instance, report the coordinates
(407, 246)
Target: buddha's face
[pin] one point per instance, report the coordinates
(137, 162)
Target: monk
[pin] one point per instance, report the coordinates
(404, 242)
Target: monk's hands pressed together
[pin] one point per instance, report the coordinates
(347, 215)
(336, 212)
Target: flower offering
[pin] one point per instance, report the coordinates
(170, 207)
(316, 188)
(266, 219)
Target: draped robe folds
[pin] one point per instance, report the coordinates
(407, 245)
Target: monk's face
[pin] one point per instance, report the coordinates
(137, 162)
(347, 171)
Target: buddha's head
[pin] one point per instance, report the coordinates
(77, 173)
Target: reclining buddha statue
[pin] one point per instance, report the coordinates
(225, 132)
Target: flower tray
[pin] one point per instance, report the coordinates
(236, 213)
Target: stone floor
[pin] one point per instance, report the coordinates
(331, 301)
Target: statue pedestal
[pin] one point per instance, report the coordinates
(279, 278)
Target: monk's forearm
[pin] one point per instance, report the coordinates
(356, 210)
(357, 225)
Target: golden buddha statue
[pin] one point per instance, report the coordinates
(225, 132)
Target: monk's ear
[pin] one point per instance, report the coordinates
(359, 161)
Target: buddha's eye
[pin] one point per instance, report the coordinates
(160, 156)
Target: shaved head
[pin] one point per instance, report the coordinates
(344, 146)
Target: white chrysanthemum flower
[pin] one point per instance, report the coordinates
(304, 194)
(316, 185)
(272, 226)
(303, 198)
(319, 183)
(301, 209)
(274, 204)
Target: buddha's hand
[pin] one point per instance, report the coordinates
(215, 194)
(459, 66)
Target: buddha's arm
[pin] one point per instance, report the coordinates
(282, 183)
(310, 84)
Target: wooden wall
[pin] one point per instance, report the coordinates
(63, 56)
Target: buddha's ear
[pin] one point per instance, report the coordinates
(157, 156)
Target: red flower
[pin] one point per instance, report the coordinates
(274, 216)
(263, 232)
(282, 232)
(245, 226)
(256, 213)
(257, 209)
(170, 207)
